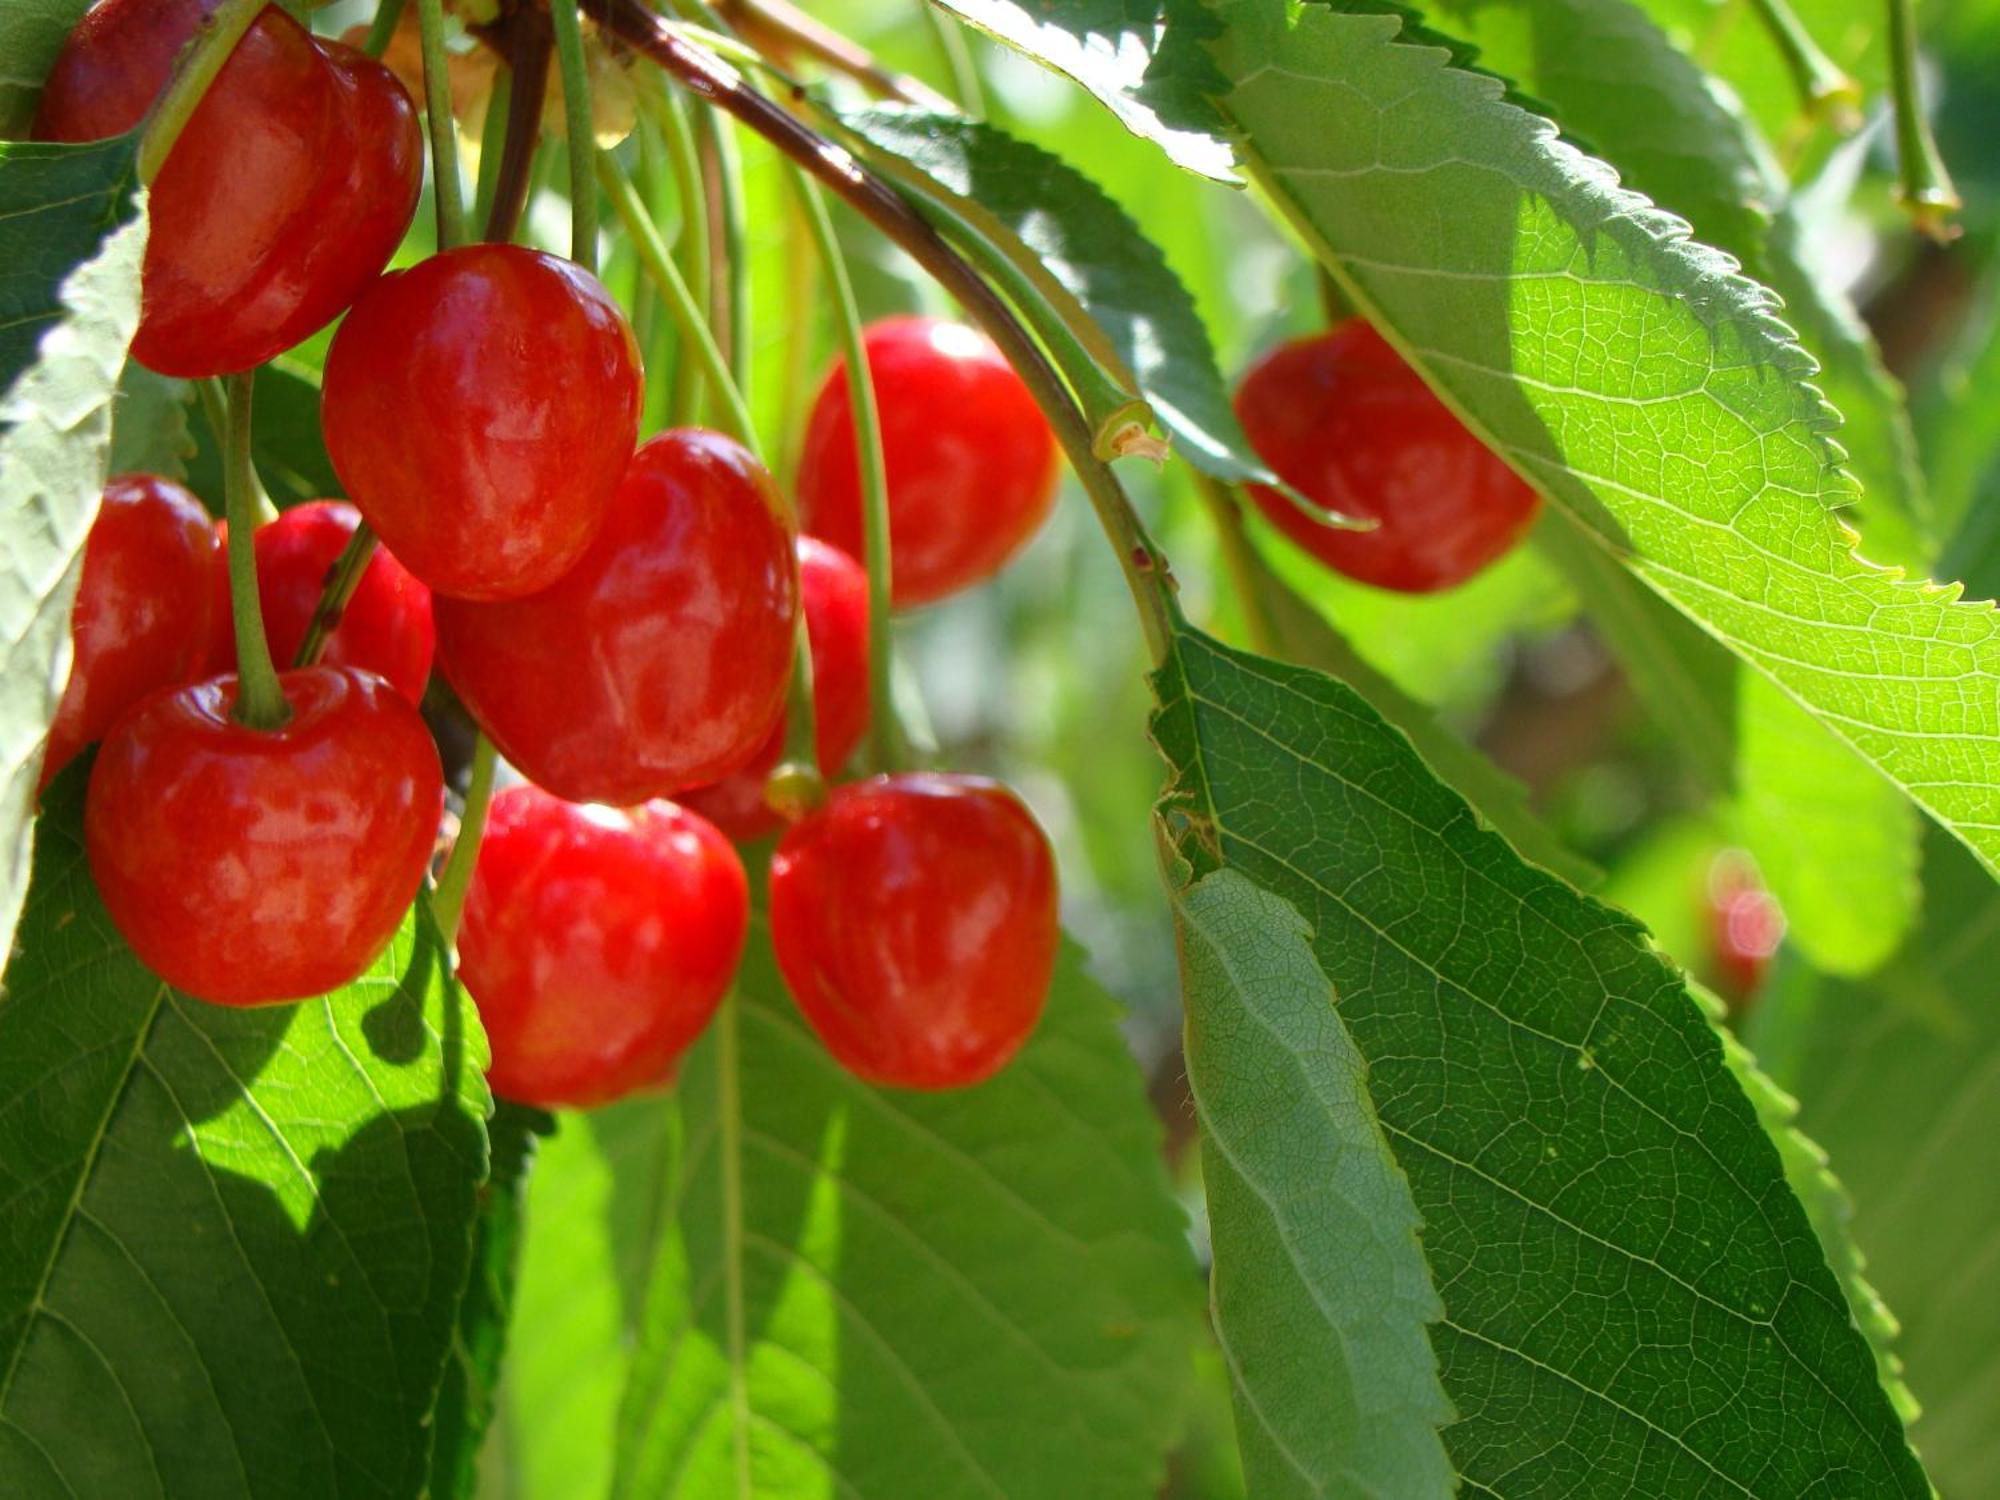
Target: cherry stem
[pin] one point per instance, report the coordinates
(728, 243)
(1827, 90)
(886, 741)
(455, 879)
(341, 583)
(779, 27)
(445, 185)
(388, 16)
(492, 145)
(1926, 190)
(1248, 577)
(949, 38)
(665, 111)
(708, 77)
(260, 699)
(659, 265)
(528, 59)
(204, 56)
(215, 411)
(582, 133)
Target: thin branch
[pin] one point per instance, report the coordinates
(781, 29)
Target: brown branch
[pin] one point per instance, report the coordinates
(708, 77)
(529, 42)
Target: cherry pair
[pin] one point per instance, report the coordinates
(914, 919)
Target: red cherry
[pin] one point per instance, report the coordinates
(597, 942)
(914, 918)
(480, 407)
(386, 627)
(286, 194)
(660, 661)
(835, 590)
(1343, 420)
(144, 615)
(971, 461)
(1746, 925)
(249, 866)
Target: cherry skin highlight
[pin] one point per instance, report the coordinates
(286, 194)
(835, 592)
(144, 615)
(914, 918)
(597, 942)
(480, 408)
(1348, 424)
(385, 629)
(660, 661)
(971, 462)
(248, 866)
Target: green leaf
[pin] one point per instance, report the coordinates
(234, 1240)
(469, 1397)
(31, 33)
(588, 1244)
(982, 1292)
(1629, 372)
(1899, 1079)
(1108, 46)
(1634, 1300)
(71, 244)
(1323, 1302)
(149, 424)
(1086, 258)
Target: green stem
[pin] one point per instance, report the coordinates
(215, 411)
(260, 699)
(659, 264)
(1247, 576)
(337, 595)
(1825, 87)
(445, 185)
(949, 38)
(666, 113)
(582, 133)
(1926, 189)
(448, 900)
(492, 145)
(886, 741)
(200, 61)
(388, 16)
(729, 250)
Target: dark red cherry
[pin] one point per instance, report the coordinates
(285, 195)
(385, 629)
(970, 458)
(597, 943)
(480, 408)
(660, 661)
(835, 591)
(251, 866)
(914, 918)
(1342, 419)
(144, 616)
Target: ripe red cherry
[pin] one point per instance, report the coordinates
(287, 192)
(597, 943)
(386, 627)
(659, 662)
(144, 614)
(1343, 420)
(835, 590)
(914, 918)
(250, 866)
(480, 407)
(971, 461)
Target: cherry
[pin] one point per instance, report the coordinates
(1342, 419)
(914, 918)
(144, 615)
(386, 627)
(835, 592)
(660, 661)
(250, 866)
(480, 408)
(1746, 925)
(970, 459)
(597, 942)
(287, 192)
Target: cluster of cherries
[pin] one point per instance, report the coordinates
(619, 620)
(618, 617)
